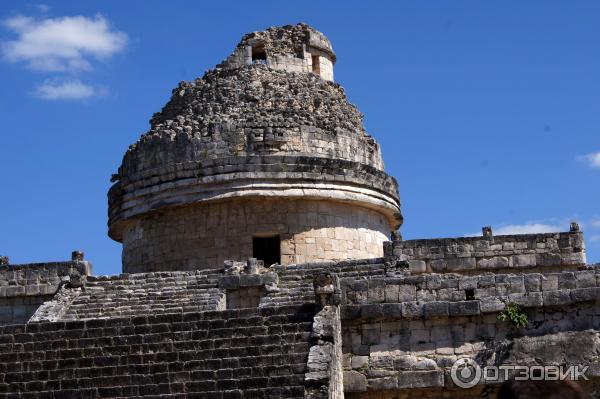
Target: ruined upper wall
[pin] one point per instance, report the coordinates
(492, 253)
(24, 287)
(293, 48)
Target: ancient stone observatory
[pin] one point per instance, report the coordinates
(261, 157)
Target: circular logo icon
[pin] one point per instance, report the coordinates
(465, 372)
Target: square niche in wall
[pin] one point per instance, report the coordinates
(267, 249)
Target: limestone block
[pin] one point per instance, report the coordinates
(405, 362)
(383, 384)
(497, 262)
(354, 381)
(435, 309)
(420, 379)
(516, 284)
(412, 309)
(464, 308)
(491, 305)
(468, 283)
(350, 312)
(585, 294)
(526, 260)
(407, 293)
(392, 310)
(585, 279)
(426, 364)
(530, 299)
(359, 362)
(548, 259)
(371, 311)
(557, 297)
(532, 282)
(426, 295)
(417, 266)
(549, 282)
(566, 280)
(391, 293)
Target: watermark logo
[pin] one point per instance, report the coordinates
(466, 373)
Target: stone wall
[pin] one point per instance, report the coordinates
(492, 253)
(402, 333)
(205, 236)
(24, 287)
(262, 176)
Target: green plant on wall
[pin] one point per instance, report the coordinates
(514, 315)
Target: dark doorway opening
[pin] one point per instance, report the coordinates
(266, 249)
(259, 55)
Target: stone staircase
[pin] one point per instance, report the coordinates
(146, 293)
(244, 353)
(296, 281)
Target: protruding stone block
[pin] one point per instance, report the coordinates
(557, 298)
(417, 266)
(464, 308)
(77, 256)
(487, 232)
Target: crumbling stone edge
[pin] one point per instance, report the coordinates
(324, 374)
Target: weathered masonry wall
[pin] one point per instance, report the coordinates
(204, 236)
(289, 48)
(404, 333)
(491, 254)
(24, 287)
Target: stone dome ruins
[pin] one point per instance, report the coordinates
(262, 156)
(261, 260)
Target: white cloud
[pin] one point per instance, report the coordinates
(42, 7)
(530, 228)
(595, 223)
(527, 228)
(593, 159)
(71, 89)
(594, 238)
(64, 44)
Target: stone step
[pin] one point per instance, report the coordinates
(136, 373)
(265, 387)
(58, 350)
(160, 351)
(95, 338)
(157, 362)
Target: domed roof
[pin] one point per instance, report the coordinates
(253, 110)
(224, 125)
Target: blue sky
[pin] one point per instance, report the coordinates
(488, 113)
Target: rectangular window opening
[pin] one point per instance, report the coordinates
(259, 55)
(316, 64)
(267, 249)
(470, 294)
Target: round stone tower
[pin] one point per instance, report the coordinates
(261, 157)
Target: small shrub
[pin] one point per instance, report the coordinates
(514, 315)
